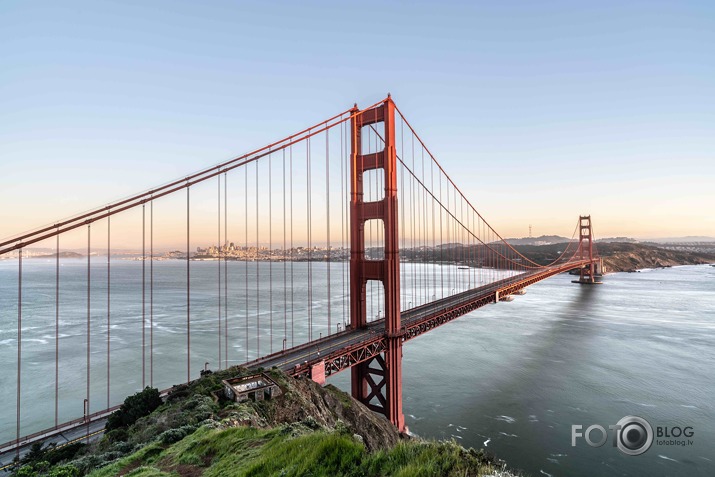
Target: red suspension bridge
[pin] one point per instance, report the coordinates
(325, 251)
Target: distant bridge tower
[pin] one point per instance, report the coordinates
(586, 250)
(377, 383)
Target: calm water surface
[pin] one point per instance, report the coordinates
(513, 377)
(520, 374)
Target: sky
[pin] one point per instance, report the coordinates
(541, 111)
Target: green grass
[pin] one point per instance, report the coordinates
(143, 457)
(250, 452)
(148, 472)
(193, 435)
(317, 454)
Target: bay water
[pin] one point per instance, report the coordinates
(511, 378)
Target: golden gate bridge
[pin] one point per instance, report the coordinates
(358, 196)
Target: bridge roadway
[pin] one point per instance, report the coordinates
(347, 348)
(69, 433)
(338, 351)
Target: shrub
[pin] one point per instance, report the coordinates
(116, 435)
(139, 405)
(64, 471)
(55, 456)
(311, 423)
(175, 435)
(342, 428)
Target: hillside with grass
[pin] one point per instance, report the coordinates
(308, 430)
(624, 257)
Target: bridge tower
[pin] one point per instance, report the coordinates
(378, 382)
(586, 250)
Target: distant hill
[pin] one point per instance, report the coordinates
(687, 239)
(62, 255)
(542, 240)
(451, 245)
(617, 239)
(626, 257)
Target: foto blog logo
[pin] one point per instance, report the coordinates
(632, 435)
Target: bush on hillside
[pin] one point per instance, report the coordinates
(135, 407)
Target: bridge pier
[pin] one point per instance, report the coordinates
(377, 383)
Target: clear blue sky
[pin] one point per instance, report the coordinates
(543, 110)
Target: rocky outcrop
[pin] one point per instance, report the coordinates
(304, 401)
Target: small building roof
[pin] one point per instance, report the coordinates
(246, 384)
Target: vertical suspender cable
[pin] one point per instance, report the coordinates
(143, 296)
(465, 256)
(418, 233)
(19, 350)
(475, 250)
(188, 287)
(402, 210)
(469, 249)
(372, 228)
(462, 237)
(495, 258)
(89, 303)
(151, 293)
(310, 245)
(367, 243)
(258, 280)
(342, 217)
(486, 252)
(346, 266)
(348, 226)
(480, 252)
(378, 284)
(270, 246)
(379, 228)
(434, 230)
(220, 248)
(109, 256)
(346, 204)
(225, 270)
(456, 237)
(475, 254)
(57, 330)
(285, 284)
(400, 188)
(450, 239)
(421, 222)
(402, 216)
(292, 290)
(412, 226)
(441, 241)
(424, 222)
(245, 255)
(327, 214)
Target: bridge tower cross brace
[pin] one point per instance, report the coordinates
(586, 249)
(377, 382)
